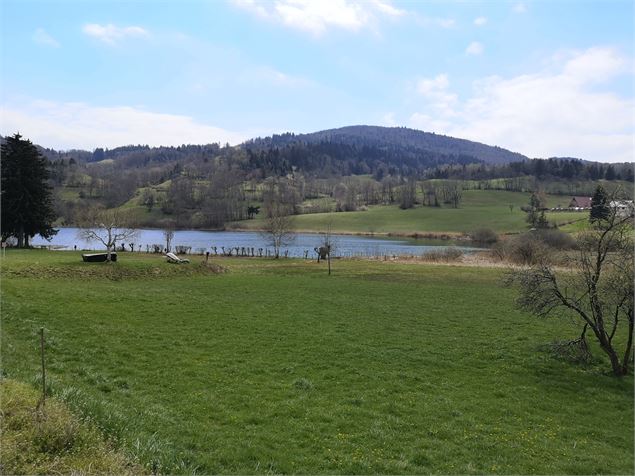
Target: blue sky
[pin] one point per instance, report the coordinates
(549, 78)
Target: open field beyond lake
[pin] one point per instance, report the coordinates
(275, 367)
(479, 209)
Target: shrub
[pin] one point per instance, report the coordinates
(533, 247)
(484, 236)
(555, 239)
(528, 249)
(447, 255)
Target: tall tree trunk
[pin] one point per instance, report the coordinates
(111, 244)
(21, 236)
(618, 368)
(629, 346)
(606, 346)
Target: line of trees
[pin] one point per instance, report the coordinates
(567, 169)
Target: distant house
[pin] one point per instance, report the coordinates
(580, 202)
(623, 208)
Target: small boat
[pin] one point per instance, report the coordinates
(99, 257)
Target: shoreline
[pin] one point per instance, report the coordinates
(416, 235)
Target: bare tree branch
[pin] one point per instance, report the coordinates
(106, 227)
(598, 287)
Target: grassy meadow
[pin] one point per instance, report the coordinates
(479, 208)
(275, 367)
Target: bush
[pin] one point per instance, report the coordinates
(527, 249)
(556, 239)
(484, 236)
(533, 247)
(519, 250)
(447, 255)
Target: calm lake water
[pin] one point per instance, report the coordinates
(201, 241)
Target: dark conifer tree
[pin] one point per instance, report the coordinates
(599, 205)
(27, 207)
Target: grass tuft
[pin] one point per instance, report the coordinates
(48, 439)
(303, 384)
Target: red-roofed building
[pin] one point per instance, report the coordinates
(580, 202)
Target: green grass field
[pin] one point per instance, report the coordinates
(480, 208)
(275, 367)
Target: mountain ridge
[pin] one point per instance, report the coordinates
(420, 146)
(380, 136)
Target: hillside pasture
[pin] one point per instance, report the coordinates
(479, 208)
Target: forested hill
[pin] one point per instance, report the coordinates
(434, 147)
(353, 150)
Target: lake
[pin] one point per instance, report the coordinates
(201, 241)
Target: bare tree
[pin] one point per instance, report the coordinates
(340, 194)
(278, 227)
(328, 245)
(453, 193)
(596, 293)
(106, 227)
(168, 234)
(408, 195)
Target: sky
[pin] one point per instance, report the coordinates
(543, 78)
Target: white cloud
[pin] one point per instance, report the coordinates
(112, 34)
(316, 17)
(435, 90)
(474, 49)
(388, 9)
(520, 7)
(79, 125)
(595, 65)
(41, 37)
(557, 112)
(480, 21)
(427, 86)
(253, 6)
(428, 123)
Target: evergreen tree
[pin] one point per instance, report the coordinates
(27, 207)
(98, 154)
(535, 204)
(542, 221)
(600, 205)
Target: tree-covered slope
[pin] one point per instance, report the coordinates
(435, 145)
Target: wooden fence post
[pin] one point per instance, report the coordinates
(43, 366)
